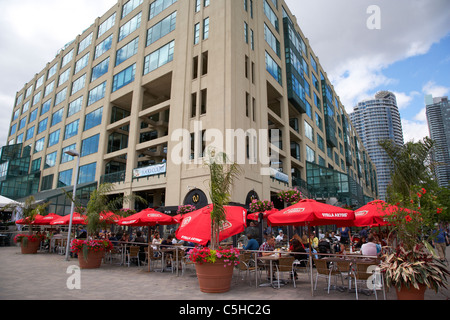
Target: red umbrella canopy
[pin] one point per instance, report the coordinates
(46, 220)
(77, 219)
(372, 214)
(27, 220)
(196, 226)
(109, 217)
(147, 217)
(254, 216)
(312, 213)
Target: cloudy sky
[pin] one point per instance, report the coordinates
(408, 53)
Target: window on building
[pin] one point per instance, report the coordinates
(309, 131)
(64, 156)
(57, 117)
(105, 26)
(75, 106)
(53, 138)
(65, 178)
(124, 77)
(78, 84)
(63, 77)
(162, 28)
(205, 28)
(204, 63)
(90, 145)
(87, 173)
(159, 57)
(93, 119)
(100, 69)
(47, 182)
(130, 26)
(50, 160)
(127, 51)
(103, 47)
(130, 6)
(97, 93)
(71, 129)
(196, 33)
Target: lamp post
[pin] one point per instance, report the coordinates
(72, 153)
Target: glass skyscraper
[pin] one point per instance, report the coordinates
(374, 120)
(438, 117)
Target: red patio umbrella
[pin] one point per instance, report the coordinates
(255, 216)
(196, 226)
(312, 213)
(147, 217)
(372, 214)
(46, 220)
(65, 220)
(109, 217)
(27, 220)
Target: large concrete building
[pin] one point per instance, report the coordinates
(375, 120)
(438, 117)
(143, 91)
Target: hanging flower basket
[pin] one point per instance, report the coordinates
(290, 196)
(261, 206)
(186, 209)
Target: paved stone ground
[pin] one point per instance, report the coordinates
(44, 277)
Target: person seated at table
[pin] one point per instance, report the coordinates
(269, 245)
(112, 237)
(361, 241)
(125, 237)
(142, 244)
(252, 244)
(369, 248)
(324, 245)
(299, 252)
(280, 236)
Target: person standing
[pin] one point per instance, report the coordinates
(440, 242)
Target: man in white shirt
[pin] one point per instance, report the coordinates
(369, 248)
(280, 236)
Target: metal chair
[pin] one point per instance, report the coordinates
(367, 273)
(326, 272)
(133, 254)
(285, 264)
(246, 264)
(153, 256)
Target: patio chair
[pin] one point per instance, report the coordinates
(246, 264)
(344, 267)
(326, 272)
(154, 256)
(301, 265)
(362, 272)
(285, 264)
(133, 254)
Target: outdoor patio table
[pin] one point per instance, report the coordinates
(272, 258)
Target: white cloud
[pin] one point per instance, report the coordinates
(414, 130)
(434, 89)
(404, 99)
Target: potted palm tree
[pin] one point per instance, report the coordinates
(91, 251)
(410, 264)
(214, 265)
(29, 243)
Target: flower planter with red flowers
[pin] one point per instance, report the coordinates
(29, 244)
(214, 268)
(90, 253)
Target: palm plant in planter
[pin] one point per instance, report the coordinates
(409, 264)
(30, 210)
(214, 265)
(93, 250)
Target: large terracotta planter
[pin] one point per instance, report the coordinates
(214, 277)
(412, 293)
(31, 247)
(92, 261)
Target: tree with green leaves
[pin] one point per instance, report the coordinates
(222, 176)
